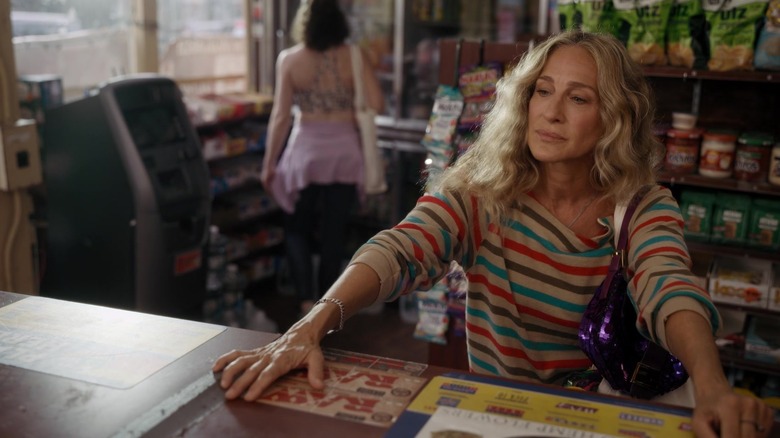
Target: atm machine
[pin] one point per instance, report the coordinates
(127, 200)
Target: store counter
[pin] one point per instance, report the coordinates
(78, 370)
(70, 369)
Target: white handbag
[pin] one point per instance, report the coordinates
(374, 168)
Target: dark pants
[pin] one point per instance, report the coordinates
(322, 215)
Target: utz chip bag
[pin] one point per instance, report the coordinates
(596, 15)
(686, 35)
(732, 28)
(569, 15)
(641, 25)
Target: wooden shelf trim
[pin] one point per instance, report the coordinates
(733, 250)
(731, 184)
(685, 73)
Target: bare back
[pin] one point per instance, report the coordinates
(322, 84)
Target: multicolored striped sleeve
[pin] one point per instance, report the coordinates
(417, 252)
(662, 282)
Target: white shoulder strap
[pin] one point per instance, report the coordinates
(620, 213)
(357, 75)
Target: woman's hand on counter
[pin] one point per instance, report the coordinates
(248, 373)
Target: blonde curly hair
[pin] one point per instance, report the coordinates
(499, 167)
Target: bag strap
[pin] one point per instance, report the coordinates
(648, 369)
(357, 76)
(622, 218)
(623, 214)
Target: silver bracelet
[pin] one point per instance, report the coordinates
(341, 312)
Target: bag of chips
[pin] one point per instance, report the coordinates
(686, 35)
(768, 47)
(641, 25)
(732, 28)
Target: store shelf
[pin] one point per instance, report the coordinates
(731, 76)
(749, 309)
(438, 24)
(733, 251)
(730, 184)
(233, 120)
(733, 357)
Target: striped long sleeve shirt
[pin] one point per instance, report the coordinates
(531, 277)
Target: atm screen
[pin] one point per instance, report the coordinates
(154, 126)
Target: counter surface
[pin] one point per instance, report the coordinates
(179, 399)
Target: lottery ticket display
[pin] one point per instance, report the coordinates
(466, 406)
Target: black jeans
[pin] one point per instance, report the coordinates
(321, 215)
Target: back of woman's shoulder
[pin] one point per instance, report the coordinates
(292, 52)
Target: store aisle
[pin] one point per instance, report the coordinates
(381, 334)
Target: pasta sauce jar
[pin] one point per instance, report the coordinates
(751, 162)
(774, 166)
(717, 154)
(682, 150)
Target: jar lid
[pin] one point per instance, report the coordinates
(756, 138)
(724, 136)
(684, 133)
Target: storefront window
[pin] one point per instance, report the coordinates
(85, 42)
(202, 44)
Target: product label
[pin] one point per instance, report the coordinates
(750, 164)
(716, 161)
(774, 171)
(681, 158)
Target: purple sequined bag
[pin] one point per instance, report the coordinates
(608, 335)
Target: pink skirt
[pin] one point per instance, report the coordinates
(317, 153)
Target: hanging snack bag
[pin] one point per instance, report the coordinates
(686, 35)
(641, 25)
(478, 87)
(433, 319)
(596, 15)
(768, 46)
(569, 14)
(442, 125)
(732, 28)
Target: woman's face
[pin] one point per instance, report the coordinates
(564, 123)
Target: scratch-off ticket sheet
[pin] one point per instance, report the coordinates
(358, 387)
(458, 405)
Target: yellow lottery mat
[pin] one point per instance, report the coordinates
(466, 406)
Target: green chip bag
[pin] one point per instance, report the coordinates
(597, 15)
(641, 25)
(686, 36)
(732, 28)
(569, 15)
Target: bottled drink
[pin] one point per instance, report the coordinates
(233, 296)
